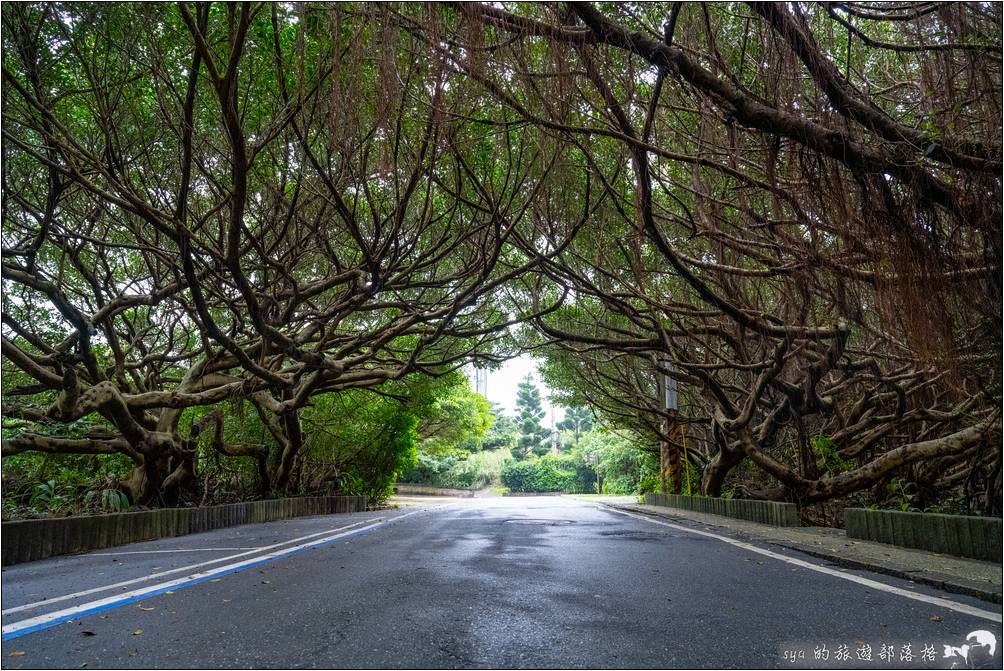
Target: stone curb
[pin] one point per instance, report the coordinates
(959, 535)
(30, 540)
(764, 512)
(943, 582)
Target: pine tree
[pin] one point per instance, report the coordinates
(578, 420)
(532, 436)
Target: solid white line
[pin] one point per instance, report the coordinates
(161, 574)
(152, 552)
(51, 619)
(134, 595)
(916, 596)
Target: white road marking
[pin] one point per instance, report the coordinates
(152, 552)
(50, 619)
(916, 596)
(144, 579)
(47, 620)
(161, 574)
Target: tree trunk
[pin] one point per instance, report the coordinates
(718, 469)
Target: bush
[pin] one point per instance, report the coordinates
(544, 474)
(473, 471)
(430, 470)
(480, 470)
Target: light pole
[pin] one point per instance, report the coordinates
(669, 451)
(593, 459)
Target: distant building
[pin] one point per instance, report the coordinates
(481, 381)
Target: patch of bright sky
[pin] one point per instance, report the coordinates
(503, 381)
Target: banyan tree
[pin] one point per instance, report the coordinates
(792, 209)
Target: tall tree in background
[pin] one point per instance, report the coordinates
(503, 431)
(529, 413)
(578, 420)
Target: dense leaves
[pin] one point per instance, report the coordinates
(217, 215)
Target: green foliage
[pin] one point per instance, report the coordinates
(621, 464)
(578, 420)
(55, 484)
(529, 413)
(828, 450)
(548, 473)
(480, 470)
(48, 495)
(363, 440)
(360, 442)
(455, 418)
(649, 483)
(903, 495)
(457, 471)
(503, 433)
(429, 469)
(111, 500)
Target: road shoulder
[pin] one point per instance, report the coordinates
(979, 579)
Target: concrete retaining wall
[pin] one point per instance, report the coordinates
(975, 537)
(28, 540)
(532, 494)
(422, 490)
(765, 512)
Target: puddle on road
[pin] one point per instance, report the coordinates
(537, 522)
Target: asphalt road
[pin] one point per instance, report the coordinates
(538, 582)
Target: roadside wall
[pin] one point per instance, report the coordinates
(765, 512)
(964, 536)
(29, 540)
(422, 490)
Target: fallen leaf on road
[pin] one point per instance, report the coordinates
(170, 591)
(936, 618)
(17, 653)
(227, 600)
(137, 632)
(216, 580)
(265, 582)
(146, 609)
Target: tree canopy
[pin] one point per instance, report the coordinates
(794, 209)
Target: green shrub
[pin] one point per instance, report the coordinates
(828, 450)
(649, 484)
(459, 469)
(543, 474)
(429, 469)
